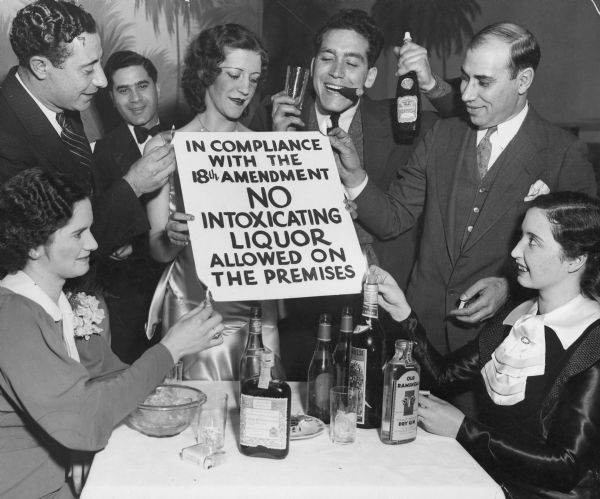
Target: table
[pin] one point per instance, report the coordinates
(136, 466)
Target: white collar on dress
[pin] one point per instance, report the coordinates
(523, 351)
(22, 284)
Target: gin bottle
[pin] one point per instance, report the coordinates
(400, 396)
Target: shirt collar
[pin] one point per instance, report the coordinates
(345, 118)
(507, 130)
(140, 146)
(568, 321)
(51, 115)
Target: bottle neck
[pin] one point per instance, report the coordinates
(255, 340)
(370, 308)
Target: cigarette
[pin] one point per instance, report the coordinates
(462, 304)
(350, 93)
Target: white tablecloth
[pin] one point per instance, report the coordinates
(432, 467)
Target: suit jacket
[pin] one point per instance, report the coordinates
(554, 452)
(382, 159)
(428, 185)
(28, 140)
(129, 284)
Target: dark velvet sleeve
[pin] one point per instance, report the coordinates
(557, 461)
(445, 375)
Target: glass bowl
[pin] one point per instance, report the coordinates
(167, 411)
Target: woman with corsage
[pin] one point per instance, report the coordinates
(535, 368)
(62, 390)
(223, 67)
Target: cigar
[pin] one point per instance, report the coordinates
(350, 93)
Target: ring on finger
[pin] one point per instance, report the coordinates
(216, 332)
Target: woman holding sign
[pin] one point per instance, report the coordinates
(223, 67)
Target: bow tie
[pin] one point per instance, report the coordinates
(142, 134)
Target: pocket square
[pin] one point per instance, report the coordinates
(538, 188)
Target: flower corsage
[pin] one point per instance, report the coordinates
(87, 315)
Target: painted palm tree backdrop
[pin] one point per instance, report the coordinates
(443, 27)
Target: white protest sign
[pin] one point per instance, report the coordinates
(270, 220)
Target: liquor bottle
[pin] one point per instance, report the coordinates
(408, 105)
(321, 372)
(341, 354)
(265, 407)
(250, 360)
(400, 396)
(367, 356)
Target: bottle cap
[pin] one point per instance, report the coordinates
(324, 330)
(346, 322)
(407, 37)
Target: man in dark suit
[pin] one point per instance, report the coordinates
(346, 49)
(59, 73)
(130, 277)
(470, 181)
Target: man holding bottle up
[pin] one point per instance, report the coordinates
(470, 181)
(346, 49)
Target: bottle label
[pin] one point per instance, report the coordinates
(370, 307)
(407, 83)
(405, 401)
(263, 421)
(407, 107)
(358, 379)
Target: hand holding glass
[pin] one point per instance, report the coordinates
(296, 81)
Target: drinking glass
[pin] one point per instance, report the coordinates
(175, 375)
(209, 427)
(343, 401)
(296, 81)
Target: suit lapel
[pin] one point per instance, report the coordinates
(376, 140)
(41, 134)
(126, 151)
(448, 187)
(519, 166)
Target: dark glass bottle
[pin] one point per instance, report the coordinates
(321, 373)
(367, 356)
(265, 406)
(400, 396)
(408, 105)
(341, 354)
(250, 361)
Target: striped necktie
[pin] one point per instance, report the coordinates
(75, 140)
(484, 151)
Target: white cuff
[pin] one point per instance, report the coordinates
(354, 192)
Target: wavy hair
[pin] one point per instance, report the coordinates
(575, 223)
(46, 27)
(33, 205)
(354, 20)
(207, 51)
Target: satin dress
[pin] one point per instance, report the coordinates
(179, 291)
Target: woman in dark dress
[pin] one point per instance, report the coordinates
(535, 368)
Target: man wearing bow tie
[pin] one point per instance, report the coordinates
(470, 181)
(130, 276)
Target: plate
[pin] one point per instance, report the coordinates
(304, 426)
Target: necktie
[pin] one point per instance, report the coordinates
(142, 134)
(484, 151)
(335, 121)
(74, 138)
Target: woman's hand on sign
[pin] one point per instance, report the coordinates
(177, 228)
(351, 172)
